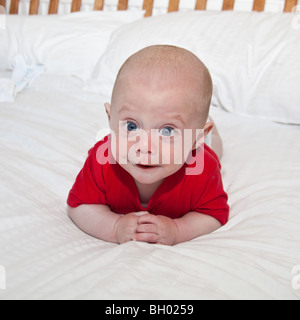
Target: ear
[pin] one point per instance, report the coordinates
(207, 128)
(108, 109)
(203, 134)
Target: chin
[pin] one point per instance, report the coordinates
(147, 180)
(144, 174)
(150, 175)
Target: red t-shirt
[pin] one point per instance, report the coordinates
(109, 184)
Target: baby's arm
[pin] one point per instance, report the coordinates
(100, 222)
(194, 225)
(164, 230)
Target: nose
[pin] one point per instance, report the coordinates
(144, 143)
(145, 147)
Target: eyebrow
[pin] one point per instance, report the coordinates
(124, 109)
(178, 117)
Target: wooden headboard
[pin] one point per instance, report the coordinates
(258, 5)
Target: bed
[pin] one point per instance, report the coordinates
(50, 123)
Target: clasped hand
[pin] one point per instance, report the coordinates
(145, 227)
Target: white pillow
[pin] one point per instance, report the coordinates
(253, 57)
(70, 44)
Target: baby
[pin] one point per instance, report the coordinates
(153, 179)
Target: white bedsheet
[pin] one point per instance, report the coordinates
(44, 139)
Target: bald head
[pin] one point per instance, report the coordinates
(169, 66)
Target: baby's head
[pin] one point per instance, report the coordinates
(159, 93)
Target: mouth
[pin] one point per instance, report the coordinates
(145, 167)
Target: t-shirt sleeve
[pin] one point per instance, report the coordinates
(211, 199)
(89, 185)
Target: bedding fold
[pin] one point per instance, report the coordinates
(23, 76)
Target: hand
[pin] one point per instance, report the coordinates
(126, 226)
(156, 229)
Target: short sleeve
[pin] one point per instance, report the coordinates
(210, 198)
(89, 185)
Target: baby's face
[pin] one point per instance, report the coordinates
(150, 125)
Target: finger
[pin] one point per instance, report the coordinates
(146, 228)
(145, 237)
(141, 213)
(148, 218)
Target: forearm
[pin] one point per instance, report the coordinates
(194, 225)
(96, 220)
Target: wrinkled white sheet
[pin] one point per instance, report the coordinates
(44, 139)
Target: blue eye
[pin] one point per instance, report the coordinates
(167, 132)
(131, 126)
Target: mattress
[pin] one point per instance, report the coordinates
(44, 139)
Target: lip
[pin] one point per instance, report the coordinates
(145, 167)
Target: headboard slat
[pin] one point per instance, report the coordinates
(123, 5)
(173, 5)
(259, 5)
(53, 7)
(76, 5)
(34, 7)
(228, 5)
(14, 7)
(148, 7)
(289, 5)
(201, 5)
(99, 5)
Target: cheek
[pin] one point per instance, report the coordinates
(174, 153)
(121, 147)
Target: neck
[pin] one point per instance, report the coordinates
(146, 191)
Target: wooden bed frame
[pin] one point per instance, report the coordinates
(258, 5)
